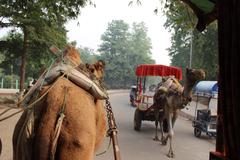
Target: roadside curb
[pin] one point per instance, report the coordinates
(5, 91)
(118, 91)
(186, 115)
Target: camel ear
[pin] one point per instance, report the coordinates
(87, 65)
(90, 67)
(100, 64)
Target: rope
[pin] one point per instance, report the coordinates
(11, 115)
(111, 126)
(40, 98)
(5, 111)
(105, 151)
(8, 109)
(44, 74)
(48, 70)
(57, 132)
(32, 104)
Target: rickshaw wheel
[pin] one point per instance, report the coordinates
(137, 120)
(197, 132)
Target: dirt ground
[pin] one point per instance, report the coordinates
(7, 126)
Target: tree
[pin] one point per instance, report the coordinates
(140, 44)
(87, 55)
(114, 51)
(140, 49)
(181, 20)
(122, 51)
(42, 20)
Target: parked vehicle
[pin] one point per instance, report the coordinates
(206, 119)
(132, 96)
(144, 97)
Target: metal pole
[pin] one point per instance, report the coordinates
(11, 76)
(16, 84)
(191, 48)
(195, 116)
(2, 83)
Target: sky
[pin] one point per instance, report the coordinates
(93, 22)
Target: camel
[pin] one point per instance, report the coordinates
(83, 126)
(170, 102)
(0, 146)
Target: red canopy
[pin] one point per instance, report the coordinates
(158, 70)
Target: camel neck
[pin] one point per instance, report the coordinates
(188, 85)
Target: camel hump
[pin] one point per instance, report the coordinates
(72, 55)
(171, 85)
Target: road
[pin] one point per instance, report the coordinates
(6, 131)
(134, 145)
(140, 145)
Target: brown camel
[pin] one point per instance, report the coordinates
(0, 146)
(82, 130)
(170, 102)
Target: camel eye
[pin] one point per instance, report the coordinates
(191, 71)
(92, 70)
(100, 66)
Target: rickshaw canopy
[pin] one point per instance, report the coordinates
(207, 88)
(158, 70)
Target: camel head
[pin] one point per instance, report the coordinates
(194, 75)
(97, 69)
(72, 54)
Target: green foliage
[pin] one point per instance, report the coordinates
(39, 55)
(181, 22)
(87, 55)
(122, 51)
(114, 51)
(2, 57)
(37, 13)
(41, 23)
(9, 81)
(10, 49)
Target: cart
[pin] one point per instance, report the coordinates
(144, 95)
(205, 120)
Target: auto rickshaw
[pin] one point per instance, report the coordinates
(205, 120)
(144, 96)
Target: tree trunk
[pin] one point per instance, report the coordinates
(23, 59)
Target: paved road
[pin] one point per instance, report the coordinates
(6, 131)
(140, 146)
(134, 145)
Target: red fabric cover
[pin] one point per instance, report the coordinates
(158, 70)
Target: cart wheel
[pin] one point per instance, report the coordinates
(197, 132)
(137, 120)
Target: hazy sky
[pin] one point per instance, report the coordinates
(94, 21)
